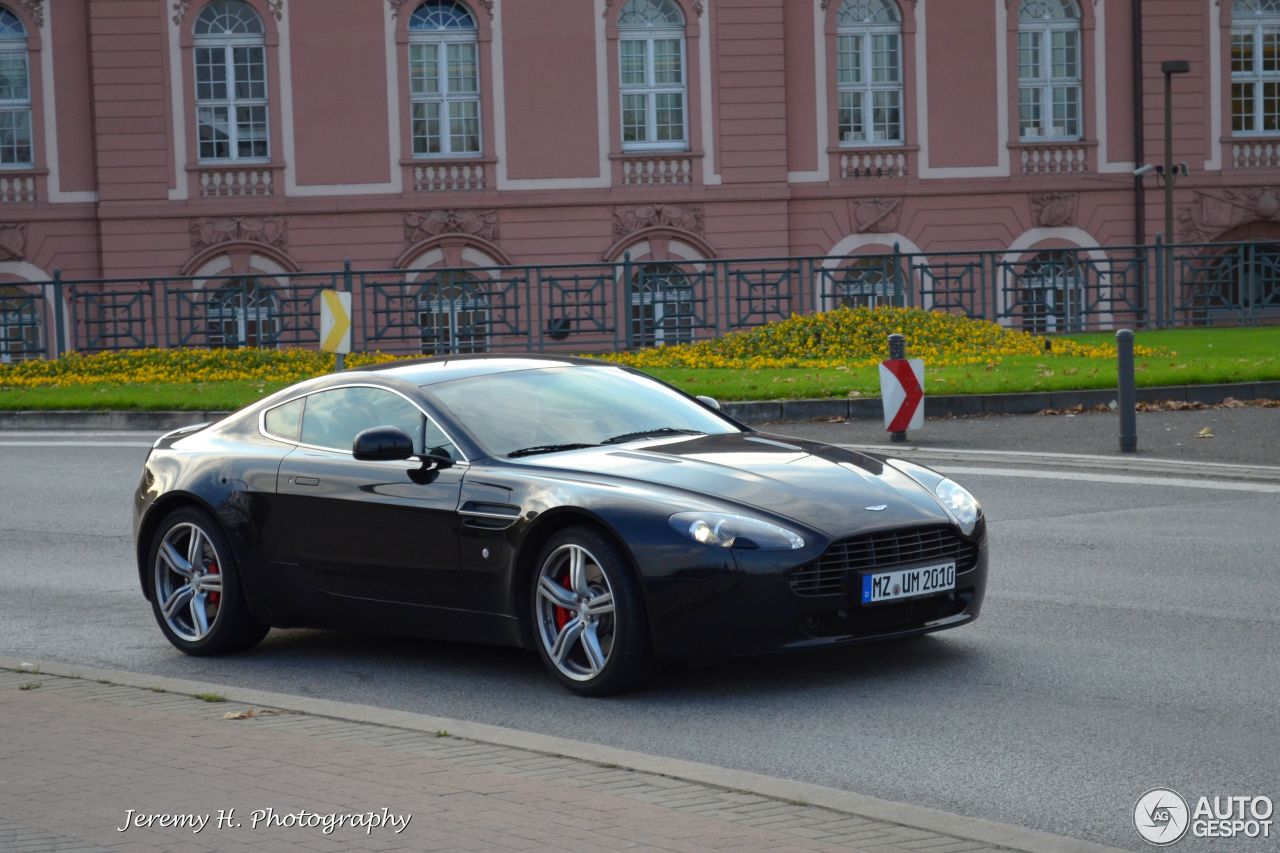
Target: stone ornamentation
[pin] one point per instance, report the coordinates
(13, 241)
(629, 220)
(876, 215)
(267, 230)
(1213, 213)
(1053, 210)
(435, 223)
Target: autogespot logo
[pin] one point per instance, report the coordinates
(1161, 817)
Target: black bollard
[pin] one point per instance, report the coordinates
(1128, 396)
(897, 351)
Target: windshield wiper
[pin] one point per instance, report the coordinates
(546, 448)
(649, 433)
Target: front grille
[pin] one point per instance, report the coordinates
(890, 549)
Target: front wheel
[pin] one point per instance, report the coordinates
(588, 619)
(196, 594)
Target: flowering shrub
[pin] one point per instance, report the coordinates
(154, 366)
(858, 337)
(844, 338)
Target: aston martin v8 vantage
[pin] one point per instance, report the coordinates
(573, 507)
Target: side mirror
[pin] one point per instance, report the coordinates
(711, 402)
(382, 444)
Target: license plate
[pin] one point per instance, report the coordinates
(908, 583)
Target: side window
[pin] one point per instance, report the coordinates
(437, 440)
(285, 421)
(332, 419)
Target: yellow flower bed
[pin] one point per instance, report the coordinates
(841, 339)
(858, 337)
(156, 366)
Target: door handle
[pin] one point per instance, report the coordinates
(304, 481)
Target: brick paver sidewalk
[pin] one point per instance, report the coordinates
(76, 756)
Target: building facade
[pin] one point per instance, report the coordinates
(219, 139)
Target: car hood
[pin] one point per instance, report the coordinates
(823, 487)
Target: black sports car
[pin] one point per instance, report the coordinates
(580, 508)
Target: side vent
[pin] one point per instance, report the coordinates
(488, 516)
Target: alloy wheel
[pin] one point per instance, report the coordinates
(188, 581)
(575, 612)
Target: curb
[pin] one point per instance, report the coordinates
(932, 820)
(964, 405)
(750, 411)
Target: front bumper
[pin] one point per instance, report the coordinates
(755, 610)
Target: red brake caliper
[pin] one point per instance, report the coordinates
(214, 597)
(564, 614)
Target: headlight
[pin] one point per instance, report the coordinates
(734, 531)
(962, 505)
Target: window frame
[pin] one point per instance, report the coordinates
(1255, 26)
(442, 39)
(649, 35)
(247, 302)
(230, 43)
(18, 44)
(651, 324)
(1044, 84)
(262, 420)
(865, 33)
(470, 298)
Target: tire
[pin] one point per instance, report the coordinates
(201, 610)
(588, 618)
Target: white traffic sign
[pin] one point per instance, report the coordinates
(902, 390)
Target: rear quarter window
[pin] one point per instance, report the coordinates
(285, 421)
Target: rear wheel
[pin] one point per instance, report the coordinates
(196, 594)
(588, 620)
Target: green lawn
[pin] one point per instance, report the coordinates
(1194, 357)
(1191, 356)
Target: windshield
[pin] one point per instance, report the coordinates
(547, 408)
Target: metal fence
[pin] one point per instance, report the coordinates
(626, 305)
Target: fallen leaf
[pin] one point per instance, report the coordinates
(252, 712)
(1205, 433)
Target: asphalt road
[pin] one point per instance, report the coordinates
(1130, 640)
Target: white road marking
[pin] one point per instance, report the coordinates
(1116, 479)
(1076, 459)
(74, 443)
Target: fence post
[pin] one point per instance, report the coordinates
(59, 320)
(623, 308)
(898, 299)
(1159, 281)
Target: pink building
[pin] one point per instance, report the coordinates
(438, 141)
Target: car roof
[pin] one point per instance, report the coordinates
(430, 371)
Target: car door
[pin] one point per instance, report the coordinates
(366, 534)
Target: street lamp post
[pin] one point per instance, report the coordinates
(1169, 174)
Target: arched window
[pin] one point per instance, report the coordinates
(444, 80)
(652, 75)
(1049, 63)
(1255, 66)
(869, 72)
(1051, 293)
(664, 305)
(1243, 280)
(453, 314)
(242, 313)
(866, 282)
(15, 92)
(20, 337)
(231, 83)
